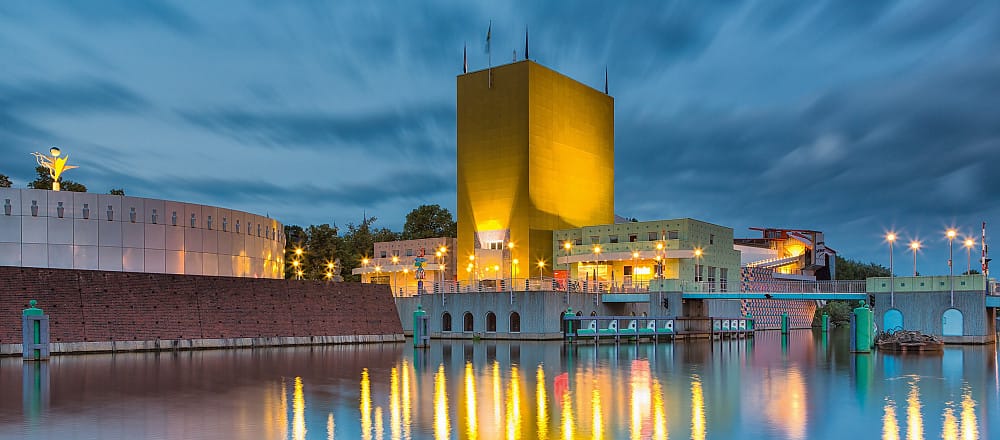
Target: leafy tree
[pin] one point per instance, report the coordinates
(44, 181)
(429, 221)
(117, 191)
(839, 311)
(324, 244)
(5, 181)
(848, 269)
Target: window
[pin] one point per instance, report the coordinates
(193, 220)
(723, 279)
(515, 322)
(651, 236)
(711, 279)
(698, 270)
(395, 252)
(711, 238)
(491, 322)
(467, 324)
(632, 238)
(595, 239)
(382, 254)
(494, 245)
(613, 239)
(578, 242)
(237, 226)
(673, 235)
(409, 252)
(446, 322)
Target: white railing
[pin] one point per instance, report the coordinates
(852, 286)
(550, 284)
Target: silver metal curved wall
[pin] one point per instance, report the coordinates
(40, 228)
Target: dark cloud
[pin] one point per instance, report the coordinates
(132, 13)
(68, 96)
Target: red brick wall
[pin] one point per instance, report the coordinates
(89, 306)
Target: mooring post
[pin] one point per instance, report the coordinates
(35, 333)
(420, 337)
(784, 323)
(825, 322)
(567, 319)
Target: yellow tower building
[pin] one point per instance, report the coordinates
(535, 154)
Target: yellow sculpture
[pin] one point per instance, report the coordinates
(55, 164)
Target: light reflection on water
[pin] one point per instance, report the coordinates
(802, 388)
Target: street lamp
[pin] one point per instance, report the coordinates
(364, 269)
(697, 265)
(635, 258)
(659, 259)
(510, 252)
(597, 259)
(914, 246)
(951, 233)
(567, 246)
(891, 238)
(406, 274)
(541, 268)
(298, 272)
(969, 243)
(395, 268)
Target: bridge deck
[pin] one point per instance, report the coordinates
(812, 296)
(992, 301)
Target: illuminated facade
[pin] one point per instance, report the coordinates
(392, 263)
(535, 154)
(73, 230)
(799, 253)
(632, 253)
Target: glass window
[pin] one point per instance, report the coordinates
(651, 236)
(711, 238)
(515, 322)
(382, 254)
(613, 239)
(467, 324)
(595, 239)
(673, 235)
(409, 252)
(723, 279)
(632, 238)
(491, 322)
(446, 322)
(578, 242)
(711, 278)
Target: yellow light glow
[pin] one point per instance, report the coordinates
(949, 429)
(510, 245)
(329, 265)
(442, 425)
(914, 419)
(597, 249)
(443, 249)
(298, 411)
(472, 258)
(437, 254)
(951, 233)
(890, 237)
(406, 270)
(659, 246)
(395, 415)
(295, 263)
(642, 271)
(568, 425)
(513, 404)
(597, 424)
(516, 261)
(299, 273)
(496, 267)
(970, 426)
(659, 414)
(406, 399)
(567, 245)
(697, 409)
(969, 243)
(496, 393)
(697, 252)
(635, 254)
(298, 251)
(541, 264)
(329, 427)
(914, 245)
(379, 427)
(890, 426)
(366, 406)
(395, 259)
(364, 261)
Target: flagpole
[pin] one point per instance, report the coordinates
(489, 54)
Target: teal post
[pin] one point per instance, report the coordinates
(784, 323)
(35, 333)
(420, 336)
(862, 329)
(568, 319)
(750, 321)
(825, 322)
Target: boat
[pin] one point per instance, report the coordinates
(909, 341)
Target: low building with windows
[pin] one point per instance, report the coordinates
(394, 263)
(628, 255)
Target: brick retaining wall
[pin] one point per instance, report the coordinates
(99, 307)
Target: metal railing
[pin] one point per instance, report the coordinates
(550, 284)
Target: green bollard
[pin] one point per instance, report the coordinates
(420, 336)
(750, 321)
(863, 329)
(569, 323)
(35, 337)
(784, 323)
(825, 322)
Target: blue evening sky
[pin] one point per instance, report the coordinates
(850, 117)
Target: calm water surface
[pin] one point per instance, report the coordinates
(805, 387)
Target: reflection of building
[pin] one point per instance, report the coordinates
(67, 230)
(535, 154)
(632, 253)
(393, 263)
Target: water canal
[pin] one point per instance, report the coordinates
(805, 387)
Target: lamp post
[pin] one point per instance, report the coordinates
(510, 252)
(541, 269)
(914, 246)
(473, 267)
(969, 243)
(395, 268)
(567, 246)
(635, 259)
(697, 265)
(364, 269)
(406, 273)
(659, 259)
(951, 233)
(597, 261)
(513, 272)
(891, 238)
(295, 268)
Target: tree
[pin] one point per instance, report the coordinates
(848, 269)
(5, 181)
(972, 272)
(44, 181)
(117, 191)
(429, 221)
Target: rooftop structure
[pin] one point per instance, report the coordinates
(392, 263)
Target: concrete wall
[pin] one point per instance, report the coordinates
(922, 311)
(67, 230)
(98, 311)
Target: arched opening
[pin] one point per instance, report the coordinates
(446, 322)
(515, 322)
(892, 321)
(952, 323)
(578, 313)
(491, 322)
(593, 313)
(467, 325)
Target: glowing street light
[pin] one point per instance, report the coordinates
(541, 268)
(951, 233)
(364, 269)
(969, 243)
(697, 265)
(914, 246)
(891, 238)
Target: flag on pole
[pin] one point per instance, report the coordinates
(489, 33)
(605, 80)
(465, 59)
(525, 42)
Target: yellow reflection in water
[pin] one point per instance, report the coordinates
(514, 405)
(659, 414)
(949, 429)
(442, 426)
(914, 420)
(471, 423)
(788, 405)
(890, 425)
(379, 429)
(496, 394)
(639, 397)
(394, 412)
(406, 400)
(275, 411)
(283, 408)
(298, 411)
(366, 406)
(697, 409)
(970, 427)
(542, 405)
(567, 416)
(329, 427)
(598, 414)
